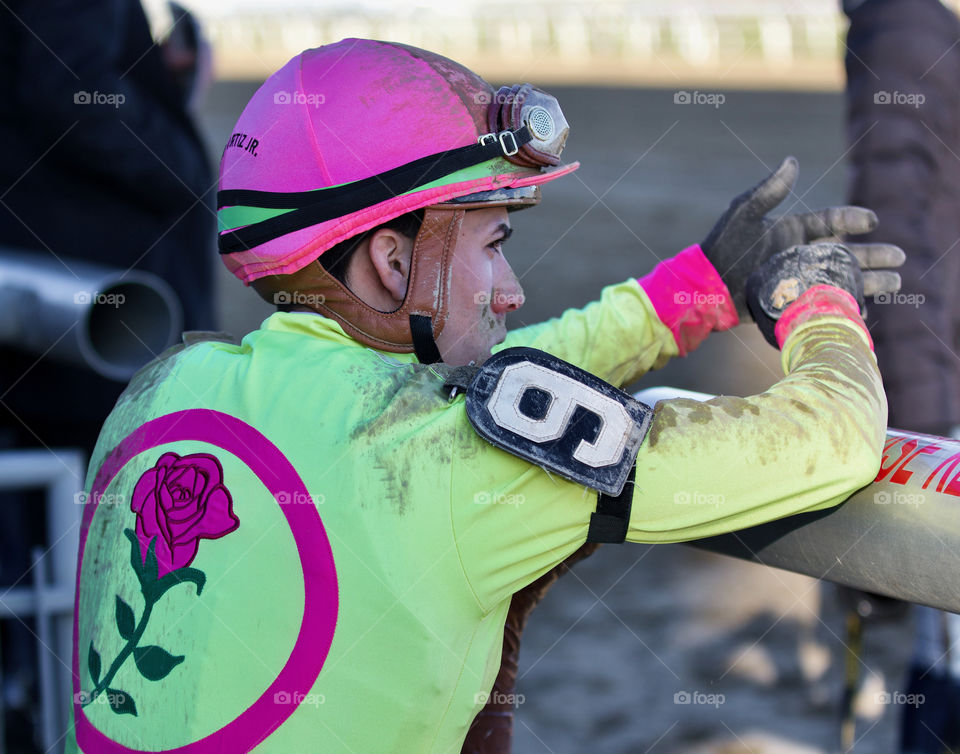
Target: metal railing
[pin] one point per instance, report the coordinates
(46, 591)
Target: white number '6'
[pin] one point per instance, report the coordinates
(566, 394)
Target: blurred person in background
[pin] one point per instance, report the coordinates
(378, 626)
(903, 120)
(102, 162)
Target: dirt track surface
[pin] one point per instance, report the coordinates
(632, 627)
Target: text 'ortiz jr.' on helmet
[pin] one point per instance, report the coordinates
(310, 540)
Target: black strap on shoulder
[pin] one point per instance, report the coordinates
(610, 521)
(319, 205)
(424, 346)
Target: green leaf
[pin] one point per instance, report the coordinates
(121, 702)
(150, 566)
(136, 559)
(126, 623)
(93, 663)
(154, 662)
(181, 576)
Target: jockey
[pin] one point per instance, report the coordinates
(311, 539)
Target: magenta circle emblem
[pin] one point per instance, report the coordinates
(321, 594)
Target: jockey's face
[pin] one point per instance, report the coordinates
(483, 289)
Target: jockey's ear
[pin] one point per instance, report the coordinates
(379, 270)
(389, 253)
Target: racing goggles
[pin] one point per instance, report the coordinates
(527, 128)
(524, 109)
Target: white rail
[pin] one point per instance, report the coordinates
(46, 591)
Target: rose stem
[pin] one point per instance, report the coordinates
(125, 652)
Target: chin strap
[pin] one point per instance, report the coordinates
(424, 346)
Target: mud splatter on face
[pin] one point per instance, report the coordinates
(488, 318)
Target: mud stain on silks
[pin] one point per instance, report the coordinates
(699, 414)
(701, 425)
(664, 417)
(668, 415)
(156, 371)
(827, 404)
(374, 392)
(394, 474)
(735, 407)
(402, 430)
(150, 375)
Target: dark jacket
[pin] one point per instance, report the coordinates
(127, 185)
(903, 110)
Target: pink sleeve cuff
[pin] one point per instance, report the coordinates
(690, 298)
(819, 301)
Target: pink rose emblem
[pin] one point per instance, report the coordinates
(180, 501)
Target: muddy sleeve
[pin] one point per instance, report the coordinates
(704, 468)
(807, 443)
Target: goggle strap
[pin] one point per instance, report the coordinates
(307, 208)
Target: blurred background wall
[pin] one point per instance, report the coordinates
(753, 42)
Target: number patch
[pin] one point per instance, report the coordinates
(558, 416)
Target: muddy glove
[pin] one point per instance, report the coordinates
(744, 237)
(783, 278)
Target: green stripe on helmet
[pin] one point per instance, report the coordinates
(229, 218)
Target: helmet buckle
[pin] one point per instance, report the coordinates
(502, 137)
(508, 151)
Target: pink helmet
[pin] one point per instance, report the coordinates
(348, 136)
